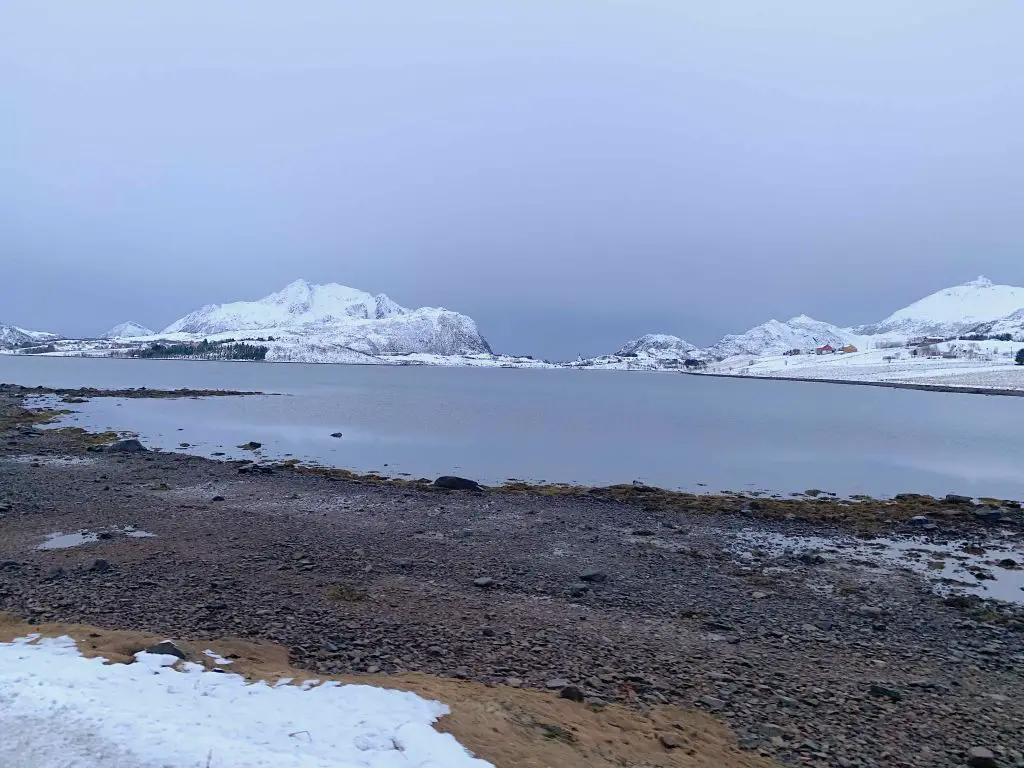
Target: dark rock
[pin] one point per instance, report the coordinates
(644, 532)
(593, 574)
(100, 566)
(712, 703)
(979, 757)
(668, 741)
(127, 446)
(167, 648)
(484, 582)
(882, 689)
(811, 558)
(105, 535)
(579, 590)
(452, 483)
(952, 498)
(572, 693)
(988, 515)
(336, 434)
(252, 445)
(217, 498)
(919, 520)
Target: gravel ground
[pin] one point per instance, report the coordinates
(812, 663)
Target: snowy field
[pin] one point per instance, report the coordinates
(984, 364)
(61, 710)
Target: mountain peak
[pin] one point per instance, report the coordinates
(979, 282)
(950, 311)
(127, 330)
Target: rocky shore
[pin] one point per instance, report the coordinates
(628, 595)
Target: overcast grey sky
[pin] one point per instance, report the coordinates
(570, 174)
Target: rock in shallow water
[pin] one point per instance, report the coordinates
(453, 483)
(127, 446)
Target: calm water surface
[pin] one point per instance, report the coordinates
(591, 427)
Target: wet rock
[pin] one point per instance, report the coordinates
(579, 589)
(593, 574)
(572, 693)
(453, 483)
(988, 515)
(952, 498)
(217, 498)
(980, 757)
(811, 558)
(252, 445)
(886, 690)
(104, 535)
(713, 703)
(130, 445)
(167, 648)
(336, 434)
(484, 582)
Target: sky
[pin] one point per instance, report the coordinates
(571, 174)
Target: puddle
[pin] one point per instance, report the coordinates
(67, 540)
(983, 568)
(62, 540)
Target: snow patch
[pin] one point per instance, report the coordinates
(58, 708)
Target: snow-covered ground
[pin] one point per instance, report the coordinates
(987, 364)
(61, 710)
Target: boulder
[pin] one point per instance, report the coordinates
(452, 483)
(593, 574)
(952, 498)
(167, 648)
(130, 445)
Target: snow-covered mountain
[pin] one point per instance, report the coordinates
(952, 311)
(1012, 324)
(335, 317)
(657, 345)
(775, 338)
(127, 331)
(12, 336)
(297, 304)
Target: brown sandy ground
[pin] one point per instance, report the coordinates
(509, 727)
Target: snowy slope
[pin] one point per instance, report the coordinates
(297, 304)
(952, 310)
(657, 345)
(127, 331)
(1012, 324)
(58, 708)
(321, 323)
(12, 336)
(775, 338)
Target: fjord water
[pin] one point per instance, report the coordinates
(590, 427)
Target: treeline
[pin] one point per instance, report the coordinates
(204, 350)
(983, 337)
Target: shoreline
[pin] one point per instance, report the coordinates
(861, 513)
(950, 388)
